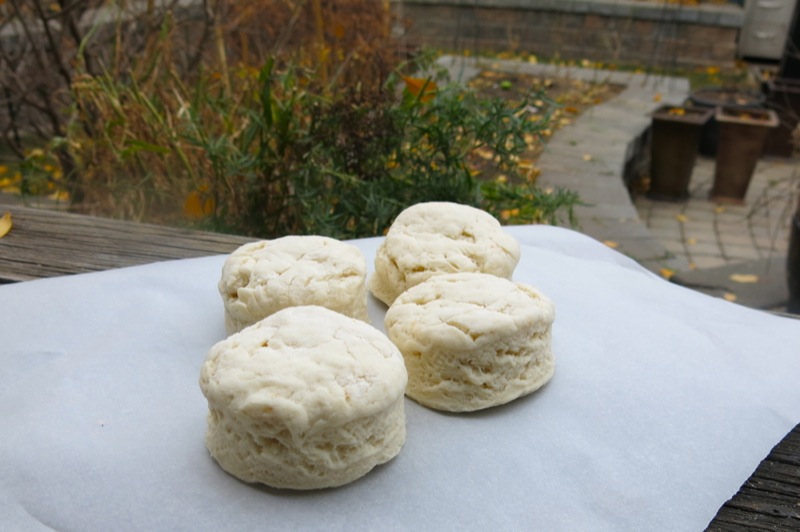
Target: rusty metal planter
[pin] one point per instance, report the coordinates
(675, 140)
(741, 143)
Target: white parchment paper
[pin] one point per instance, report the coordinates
(664, 401)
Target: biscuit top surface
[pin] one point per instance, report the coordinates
(441, 229)
(305, 366)
(468, 309)
(301, 263)
(440, 237)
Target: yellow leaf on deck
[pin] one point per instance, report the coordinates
(666, 273)
(745, 278)
(657, 97)
(681, 217)
(729, 296)
(719, 209)
(587, 157)
(691, 241)
(5, 224)
(611, 244)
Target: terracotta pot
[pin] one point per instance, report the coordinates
(675, 138)
(741, 143)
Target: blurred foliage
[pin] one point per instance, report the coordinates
(305, 121)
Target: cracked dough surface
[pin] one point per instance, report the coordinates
(263, 277)
(432, 238)
(471, 341)
(306, 398)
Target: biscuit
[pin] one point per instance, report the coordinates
(471, 341)
(433, 238)
(306, 398)
(263, 277)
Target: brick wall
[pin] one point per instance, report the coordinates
(645, 33)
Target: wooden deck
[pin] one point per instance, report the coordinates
(46, 244)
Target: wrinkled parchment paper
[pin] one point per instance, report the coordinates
(663, 403)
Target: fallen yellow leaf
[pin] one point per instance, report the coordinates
(691, 241)
(666, 273)
(657, 97)
(59, 195)
(729, 296)
(198, 205)
(719, 209)
(484, 153)
(5, 224)
(746, 278)
(422, 88)
(587, 157)
(681, 218)
(611, 244)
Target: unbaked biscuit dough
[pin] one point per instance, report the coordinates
(306, 398)
(471, 341)
(263, 277)
(432, 238)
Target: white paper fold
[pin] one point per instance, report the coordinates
(664, 401)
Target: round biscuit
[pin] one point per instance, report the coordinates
(263, 277)
(432, 238)
(471, 340)
(306, 398)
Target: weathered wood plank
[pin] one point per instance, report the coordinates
(770, 498)
(46, 243)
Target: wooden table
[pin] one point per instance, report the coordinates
(46, 244)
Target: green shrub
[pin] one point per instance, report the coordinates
(268, 156)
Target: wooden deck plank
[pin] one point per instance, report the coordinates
(770, 498)
(45, 243)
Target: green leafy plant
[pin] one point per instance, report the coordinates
(266, 155)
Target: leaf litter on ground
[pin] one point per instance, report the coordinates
(563, 99)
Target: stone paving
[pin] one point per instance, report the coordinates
(710, 235)
(696, 243)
